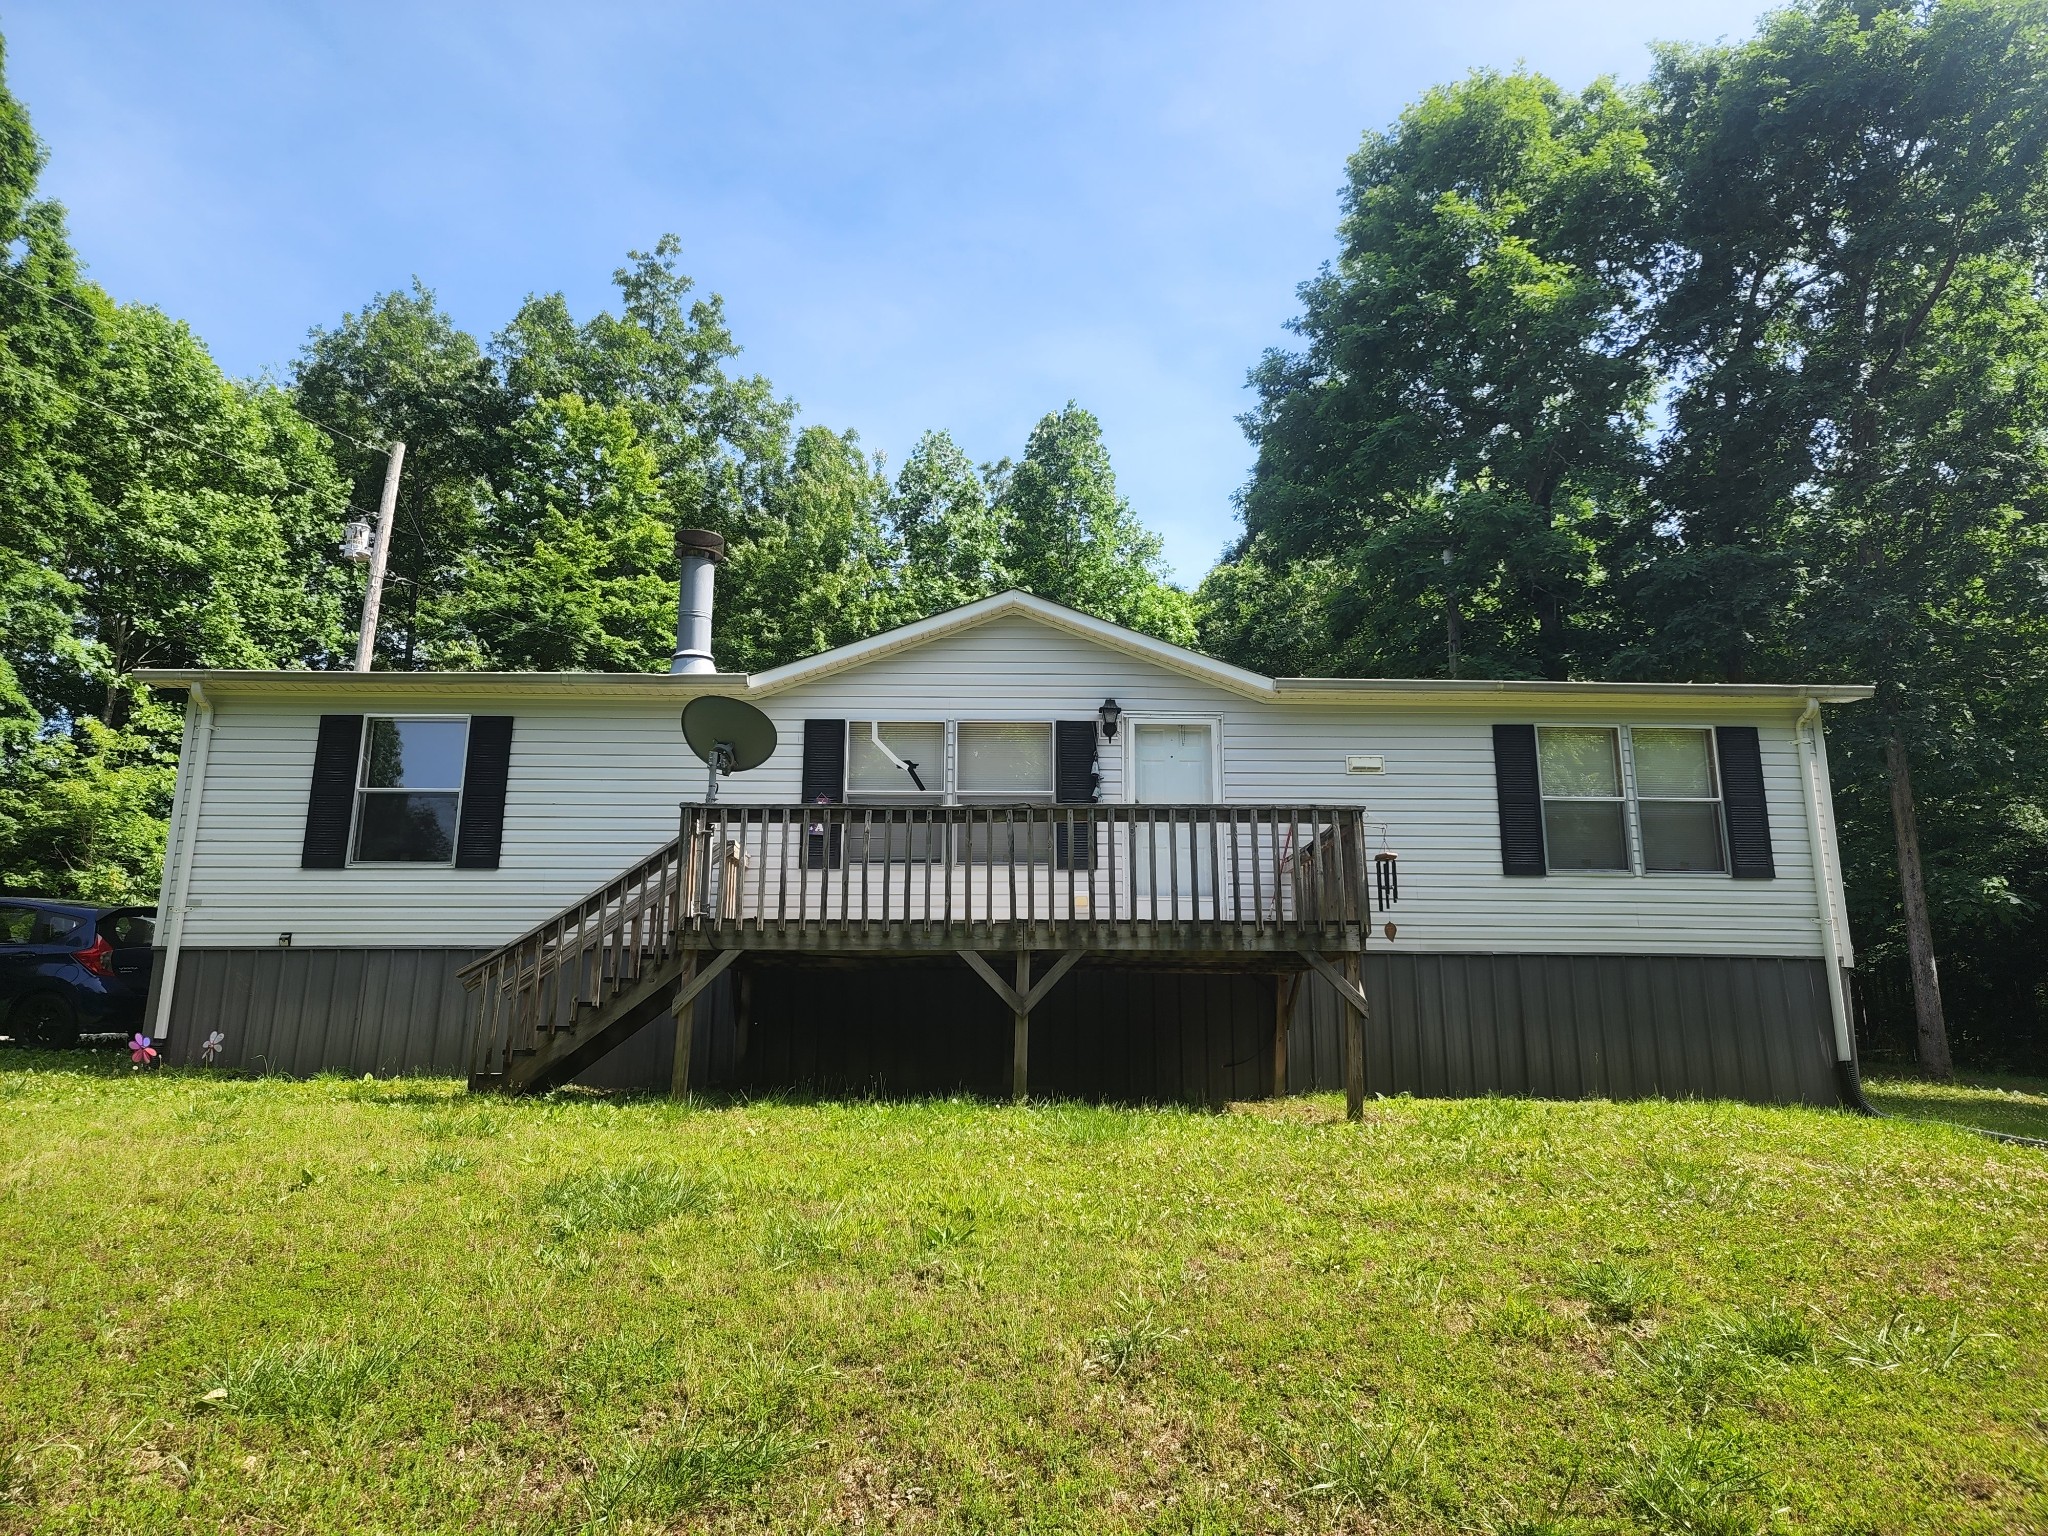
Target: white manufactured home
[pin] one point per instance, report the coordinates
(1011, 846)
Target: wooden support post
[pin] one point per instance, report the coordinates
(1354, 1043)
(1021, 999)
(686, 1022)
(1285, 989)
(1350, 987)
(1020, 1042)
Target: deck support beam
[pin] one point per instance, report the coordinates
(695, 979)
(1350, 988)
(1021, 999)
(1020, 1035)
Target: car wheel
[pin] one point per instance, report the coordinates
(46, 1020)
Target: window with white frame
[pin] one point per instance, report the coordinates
(1585, 822)
(872, 772)
(1591, 776)
(1004, 760)
(409, 790)
(1678, 797)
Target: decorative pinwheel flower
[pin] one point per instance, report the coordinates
(140, 1051)
(210, 1046)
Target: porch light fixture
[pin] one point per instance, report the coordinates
(1110, 713)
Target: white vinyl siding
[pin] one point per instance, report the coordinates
(595, 786)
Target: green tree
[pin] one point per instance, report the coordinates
(83, 811)
(818, 573)
(943, 530)
(718, 441)
(49, 341)
(401, 370)
(578, 572)
(1274, 616)
(1475, 380)
(1856, 469)
(206, 515)
(1068, 536)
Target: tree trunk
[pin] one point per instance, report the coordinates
(1932, 1028)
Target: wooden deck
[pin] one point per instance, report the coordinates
(1259, 887)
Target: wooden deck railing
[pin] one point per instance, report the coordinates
(1161, 875)
(1194, 880)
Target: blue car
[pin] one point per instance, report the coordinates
(67, 967)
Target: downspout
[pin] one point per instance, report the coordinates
(193, 769)
(1814, 773)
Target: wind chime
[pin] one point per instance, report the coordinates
(1386, 872)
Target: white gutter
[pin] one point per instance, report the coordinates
(172, 903)
(1833, 942)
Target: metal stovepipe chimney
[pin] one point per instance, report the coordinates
(698, 551)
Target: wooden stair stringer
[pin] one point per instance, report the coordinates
(594, 1031)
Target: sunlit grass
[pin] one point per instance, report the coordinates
(348, 1305)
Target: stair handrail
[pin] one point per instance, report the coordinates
(597, 902)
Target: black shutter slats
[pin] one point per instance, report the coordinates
(331, 802)
(1520, 794)
(824, 783)
(1074, 782)
(480, 834)
(1742, 799)
(824, 762)
(1073, 762)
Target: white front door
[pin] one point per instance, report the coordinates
(1174, 765)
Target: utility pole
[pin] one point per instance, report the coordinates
(1451, 611)
(380, 556)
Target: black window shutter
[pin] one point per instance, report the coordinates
(824, 782)
(1074, 782)
(1742, 799)
(331, 803)
(1520, 794)
(481, 832)
(1073, 762)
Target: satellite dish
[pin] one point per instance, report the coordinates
(728, 734)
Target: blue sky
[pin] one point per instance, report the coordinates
(942, 215)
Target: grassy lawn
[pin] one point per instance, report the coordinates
(2017, 1106)
(342, 1306)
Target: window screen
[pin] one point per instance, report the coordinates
(869, 771)
(1678, 798)
(1583, 815)
(410, 791)
(1006, 759)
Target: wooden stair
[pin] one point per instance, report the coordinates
(561, 995)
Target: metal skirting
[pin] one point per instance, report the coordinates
(1552, 1026)
(1579, 1026)
(299, 1011)
(392, 1012)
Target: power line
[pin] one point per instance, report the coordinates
(146, 426)
(80, 309)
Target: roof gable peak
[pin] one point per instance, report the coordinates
(1007, 603)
